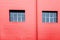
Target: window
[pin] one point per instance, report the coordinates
(17, 15)
(49, 16)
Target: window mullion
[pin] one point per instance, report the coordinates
(49, 17)
(21, 17)
(13, 16)
(17, 17)
(45, 17)
(53, 17)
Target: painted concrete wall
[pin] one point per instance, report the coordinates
(17, 30)
(48, 31)
(27, 30)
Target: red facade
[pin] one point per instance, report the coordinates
(32, 28)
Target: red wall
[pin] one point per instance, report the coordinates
(17, 30)
(27, 30)
(48, 31)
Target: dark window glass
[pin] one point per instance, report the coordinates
(49, 16)
(47, 19)
(17, 15)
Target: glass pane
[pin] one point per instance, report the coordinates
(51, 14)
(47, 14)
(15, 14)
(43, 19)
(55, 15)
(11, 18)
(55, 20)
(47, 19)
(15, 17)
(22, 14)
(11, 14)
(51, 19)
(43, 14)
(23, 18)
(19, 19)
(19, 14)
